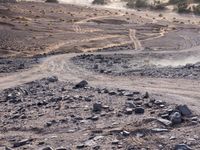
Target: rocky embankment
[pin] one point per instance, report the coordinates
(125, 64)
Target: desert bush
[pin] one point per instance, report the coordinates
(99, 2)
(183, 8)
(197, 9)
(137, 4)
(51, 1)
(176, 1)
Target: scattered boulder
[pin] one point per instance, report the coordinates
(80, 146)
(97, 107)
(176, 118)
(139, 110)
(52, 79)
(81, 84)
(184, 110)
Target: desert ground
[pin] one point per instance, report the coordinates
(84, 77)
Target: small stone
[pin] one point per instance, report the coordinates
(139, 110)
(194, 118)
(125, 133)
(165, 122)
(97, 107)
(52, 79)
(176, 118)
(97, 147)
(105, 107)
(95, 118)
(128, 94)
(194, 122)
(21, 143)
(158, 102)
(128, 111)
(182, 147)
(112, 93)
(165, 115)
(80, 146)
(81, 84)
(172, 138)
(115, 142)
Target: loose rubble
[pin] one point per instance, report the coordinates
(127, 65)
(16, 65)
(58, 115)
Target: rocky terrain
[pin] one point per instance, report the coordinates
(128, 65)
(14, 65)
(79, 77)
(49, 114)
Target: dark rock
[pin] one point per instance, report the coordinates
(176, 118)
(81, 84)
(182, 147)
(80, 146)
(21, 143)
(128, 94)
(146, 95)
(112, 93)
(97, 107)
(52, 79)
(184, 110)
(139, 110)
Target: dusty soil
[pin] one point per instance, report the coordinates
(125, 51)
